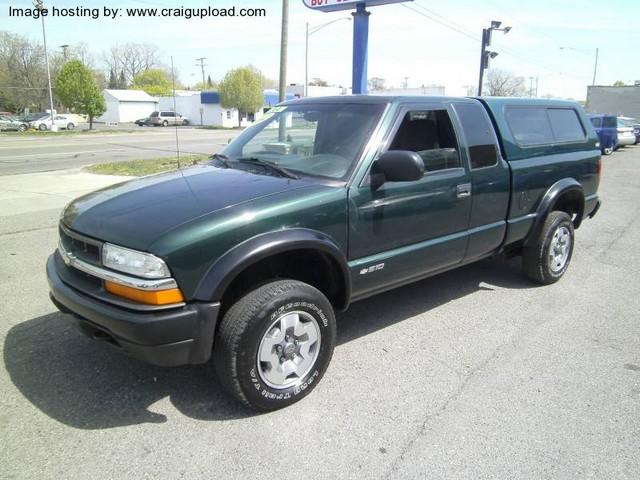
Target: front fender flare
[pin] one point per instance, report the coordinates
(228, 266)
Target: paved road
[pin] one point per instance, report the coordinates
(27, 154)
(472, 374)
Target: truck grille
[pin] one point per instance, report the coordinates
(82, 247)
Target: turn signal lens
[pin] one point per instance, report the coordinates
(599, 166)
(159, 297)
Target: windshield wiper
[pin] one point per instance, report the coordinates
(266, 163)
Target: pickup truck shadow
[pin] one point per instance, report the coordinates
(89, 386)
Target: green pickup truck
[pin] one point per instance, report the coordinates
(326, 201)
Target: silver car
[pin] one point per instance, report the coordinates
(61, 121)
(166, 118)
(626, 133)
(10, 123)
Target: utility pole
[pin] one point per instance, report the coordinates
(64, 48)
(284, 40)
(204, 86)
(595, 68)
(306, 63)
(39, 4)
(202, 65)
(530, 86)
(486, 55)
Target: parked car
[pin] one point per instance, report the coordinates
(245, 260)
(626, 134)
(12, 123)
(606, 127)
(61, 121)
(166, 118)
(142, 122)
(633, 123)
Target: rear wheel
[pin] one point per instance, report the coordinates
(22, 128)
(274, 344)
(70, 126)
(607, 151)
(165, 124)
(185, 122)
(42, 127)
(547, 258)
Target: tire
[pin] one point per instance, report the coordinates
(70, 126)
(22, 128)
(165, 124)
(185, 122)
(547, 258)
(42, 127)
(252, 329)
(607, 151)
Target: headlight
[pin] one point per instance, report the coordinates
(136, 263)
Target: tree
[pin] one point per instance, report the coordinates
(113, 79)
(23, 74)
(122, 81)
(77, 90)
(209, 82)
(376, 83)
(619, 83)
(155, 82)
(242, 89)
(500, 83)
(132, 59)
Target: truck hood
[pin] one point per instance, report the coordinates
(135, 213)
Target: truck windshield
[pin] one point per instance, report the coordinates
(322, 140)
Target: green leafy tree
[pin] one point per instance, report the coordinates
(209, 82)
(77, 90)
(122, 81)
(113, 79)
(619, 83)
(155, 82)
(242, 89)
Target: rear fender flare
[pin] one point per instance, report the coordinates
(220, 275)
(549, 201)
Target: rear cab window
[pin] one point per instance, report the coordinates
(479, 135)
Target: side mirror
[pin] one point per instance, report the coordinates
(397, 166)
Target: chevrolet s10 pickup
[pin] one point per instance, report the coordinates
(244, 260)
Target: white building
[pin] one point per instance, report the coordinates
(428, 90)
(127, 105)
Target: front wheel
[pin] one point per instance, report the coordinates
(185, 122)
(607, 151)
(70, 126)
(547, 258)
(42, 127)
(274, 344)
(22, 128)
(165, 124)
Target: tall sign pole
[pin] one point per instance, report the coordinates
(284, 41)
(360, 49)
(360, 33)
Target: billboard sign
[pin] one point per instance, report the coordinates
(335, 5)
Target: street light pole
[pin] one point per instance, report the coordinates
(595, 68)
(39, 4)
(310, 31)
(486, 55)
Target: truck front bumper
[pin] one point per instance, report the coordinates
(167, 338)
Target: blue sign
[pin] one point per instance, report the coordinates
(335, 5)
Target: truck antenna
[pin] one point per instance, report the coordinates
(173, 80)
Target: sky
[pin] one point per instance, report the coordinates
(553, 41)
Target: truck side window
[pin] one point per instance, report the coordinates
(430, 134)
(479, 135)
(566, 125)
(529, 125)
(596, 122)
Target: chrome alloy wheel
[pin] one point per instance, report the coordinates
(289, 349)
(559, 249)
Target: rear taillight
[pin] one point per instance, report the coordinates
(599, 166)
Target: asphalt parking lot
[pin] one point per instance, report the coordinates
(475, 373)
(38, 153)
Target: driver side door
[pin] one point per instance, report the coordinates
(401, 231)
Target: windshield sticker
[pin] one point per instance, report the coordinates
(273, 111)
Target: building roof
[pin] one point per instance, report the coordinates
(131, 95)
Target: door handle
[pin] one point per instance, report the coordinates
(464, 190)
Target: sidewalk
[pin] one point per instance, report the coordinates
(33, 192)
